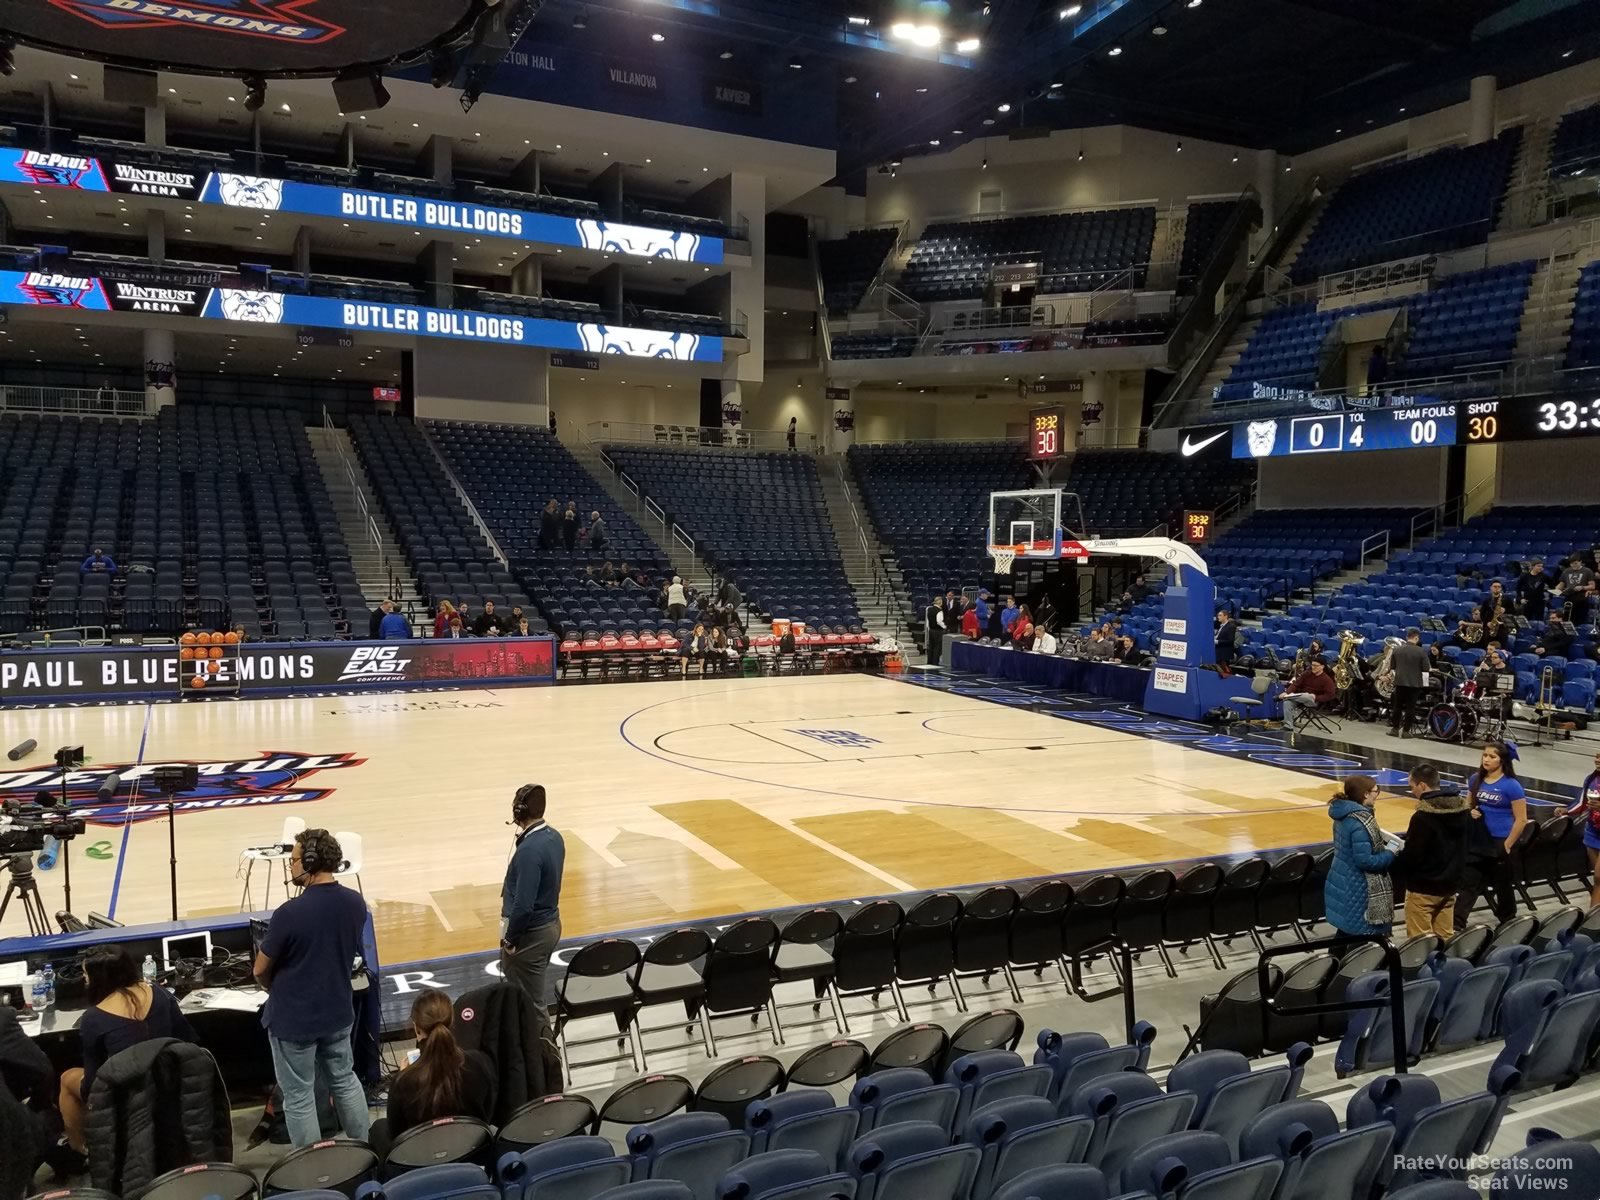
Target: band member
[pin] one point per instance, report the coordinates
(1487, 676)
(1227, 640)
(1312, 689)
(1470, 632)
(1410, 665)
(1532, 590)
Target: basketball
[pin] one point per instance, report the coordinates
(230, 638)
(216, 652)
(198, 681)
(187, 639)
(186, 654)
(213, 667)
(210, 639)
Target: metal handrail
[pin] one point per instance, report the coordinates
(822, 298)
(371, 523)
(698, 437)
(1371, 544)
(122, 402)
(461, 494)
(881, 586)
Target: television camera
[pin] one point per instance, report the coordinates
(24, 826)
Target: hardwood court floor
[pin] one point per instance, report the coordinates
(676, 800)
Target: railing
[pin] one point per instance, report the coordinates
(1374, 546)
(80, 402)
(822, 298)
(369, 524)
(1344, 284)
(1395, 1001)
(1274, 396)
(1198, 363)
(874, 562)
(71, 635)
(717, 437)
(461, 493)
(1424, 524)
(1212, 274)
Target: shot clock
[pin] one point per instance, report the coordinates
(1045, 427)
(1529, 420)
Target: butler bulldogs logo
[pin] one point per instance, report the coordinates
(1261, 437)
(263, 308)
(251, 191)
(639, 343)
(635, 239)
(271, 20)
(56, 291)
(55, 170)
(273, 777)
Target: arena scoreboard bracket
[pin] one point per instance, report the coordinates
(1424, 425)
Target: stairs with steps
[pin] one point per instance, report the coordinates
(1292, 250)
(879, 606)
(1226, 357)
(1547, 316)
(694, 573)
(333, 450)
(1528, 187)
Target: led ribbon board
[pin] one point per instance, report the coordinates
(85, 293)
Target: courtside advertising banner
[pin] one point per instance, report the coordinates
(48, 290)
(39, 168)
(134, 673)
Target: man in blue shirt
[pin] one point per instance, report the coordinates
(304, 963)
(98, 563)
(530, 916)
(393, 625)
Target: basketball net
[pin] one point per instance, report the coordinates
(1005, 558)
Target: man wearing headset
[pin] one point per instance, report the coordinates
(530, 916)
(304, 963)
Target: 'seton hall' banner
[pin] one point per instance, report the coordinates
(43, 289)
(39, 168)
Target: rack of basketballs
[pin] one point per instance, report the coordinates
(208, 663)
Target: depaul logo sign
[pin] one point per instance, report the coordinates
(272, 777)
(290, 21)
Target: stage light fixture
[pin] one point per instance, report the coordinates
(360, 91)
(255, 93)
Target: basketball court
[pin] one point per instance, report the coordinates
(677, 800)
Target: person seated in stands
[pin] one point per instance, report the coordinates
(1488, 675)
(441, 618)
(520, 629)
(1127, 652)
(455, 629)
(1099, 646)
(1533, 590)
(1577, 588)
(1316, 650)
(1135, 592)
(1555, 640)
(489, 622)
(98, 563)
(516, 619)
(1471, 632)
(123, 1011)
(1008, 616)
(441, 1081)
(1313, 688)
(628, 578)
(694, 648)
(607, 574)
(239, 633)
(786, 642)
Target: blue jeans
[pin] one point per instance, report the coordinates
(298, 1066)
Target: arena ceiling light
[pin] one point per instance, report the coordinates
(969, 45)
(1070, 11)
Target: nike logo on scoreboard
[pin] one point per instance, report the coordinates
(1192, 447)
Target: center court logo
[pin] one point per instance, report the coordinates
(375, 662)
(846, 738)
(273, 777)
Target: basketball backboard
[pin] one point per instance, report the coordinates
(1028, 523)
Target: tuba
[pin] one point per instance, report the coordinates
(1344, 670)
(1383, 677)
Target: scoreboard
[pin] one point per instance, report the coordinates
(1045, 427)
(1418, 426)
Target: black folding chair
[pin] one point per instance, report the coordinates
(730, 1087)
(667, 974)
(598, 982)
(864, 955)
(805, 952)
(982, 943)
(1037, 938)
(925, 947)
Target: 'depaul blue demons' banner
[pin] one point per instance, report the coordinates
(87, 294)
(44, 169)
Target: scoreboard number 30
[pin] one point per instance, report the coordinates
(1044, 433)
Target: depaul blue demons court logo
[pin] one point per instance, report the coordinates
(274, 777)
(274, 20)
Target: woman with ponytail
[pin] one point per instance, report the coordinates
(442, 1080)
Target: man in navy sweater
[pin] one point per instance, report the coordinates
(530, 916)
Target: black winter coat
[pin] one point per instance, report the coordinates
(154, 1107)
(504, 1024)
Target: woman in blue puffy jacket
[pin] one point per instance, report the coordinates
(1358, 896)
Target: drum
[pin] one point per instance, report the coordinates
(1468, 690)
(1452, 722)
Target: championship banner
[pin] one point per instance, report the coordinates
(48, 290)
(135, 673)
(37, 168)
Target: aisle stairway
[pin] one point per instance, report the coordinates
(333, 452)
(1226, 357)
(860, 550)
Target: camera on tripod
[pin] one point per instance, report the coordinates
(25, 826)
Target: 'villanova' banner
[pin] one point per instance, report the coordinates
(42, 289)
(261, 193)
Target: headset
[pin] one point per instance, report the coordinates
(523, 803)
(320, 851)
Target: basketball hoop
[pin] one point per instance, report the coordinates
(1005, 558)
